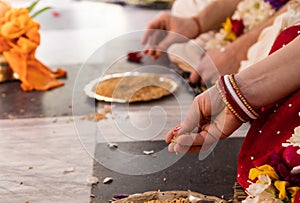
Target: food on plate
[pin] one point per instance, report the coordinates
(134, 88)
(170, 197)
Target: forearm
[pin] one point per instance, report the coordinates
(273, 78)
(244, 42)
(212, 16)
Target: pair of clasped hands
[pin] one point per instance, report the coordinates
(207, 120)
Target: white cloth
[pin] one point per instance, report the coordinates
(188, 8)
(262, 47)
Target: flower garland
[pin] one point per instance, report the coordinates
(277, 174)
(19, 39)
(249, 14)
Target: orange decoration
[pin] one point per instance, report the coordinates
(19, 39)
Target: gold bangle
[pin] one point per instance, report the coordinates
(239, 94)
(228, 104)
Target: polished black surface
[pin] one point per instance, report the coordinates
(15, 103)
(214, 175)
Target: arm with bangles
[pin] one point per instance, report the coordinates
(262, 84)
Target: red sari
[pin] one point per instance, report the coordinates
(263, 143)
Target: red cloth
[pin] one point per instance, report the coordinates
(286, 36)
(274, 126)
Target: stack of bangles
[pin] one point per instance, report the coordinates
(234, 100)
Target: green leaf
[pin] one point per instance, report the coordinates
(31, 7)
(40, 11)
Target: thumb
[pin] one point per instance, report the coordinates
(192, 119)
(194, 77)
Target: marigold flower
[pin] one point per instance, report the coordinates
(281, 186)
(263, 170)
(19, 39)
(227, 26)
(17, 22)
(293, 191)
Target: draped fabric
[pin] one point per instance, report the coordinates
(274, 126)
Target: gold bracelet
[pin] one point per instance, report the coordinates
(228, 104)
(239, 94)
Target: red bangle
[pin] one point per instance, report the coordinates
(241, 97)
(228, 105)
(231, 101)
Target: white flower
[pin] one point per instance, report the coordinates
(261, 192)
(261, 185)
(218, 41)
(294, 140)
(295, 170)
(253, 12)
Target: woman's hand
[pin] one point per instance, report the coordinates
(216, 62)
(165, 30)
(206, 122)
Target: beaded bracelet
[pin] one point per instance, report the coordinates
(241, 97)
(228, 105)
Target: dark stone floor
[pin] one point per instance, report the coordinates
(215, 175)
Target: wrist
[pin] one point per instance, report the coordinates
(240, 48)
(198, 25)
(246, 88)
(234, 99)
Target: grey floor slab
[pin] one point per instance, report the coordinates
(215, 175)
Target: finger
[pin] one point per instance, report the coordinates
(172, 134)
(192, 119)
(208, 139)
(171, 147)
(169, 136)
(145, 51)
(222, 126)
(157, 23)
(194, 77)
(156, 42)
(187, 144)
(194, 139)
(169, 39)
(194, 149)
(181, 148)
(152, 52)
(194, 142)
(155, 57)
(189, 125)
(159, 53)
(184, 149)
(146, 36)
